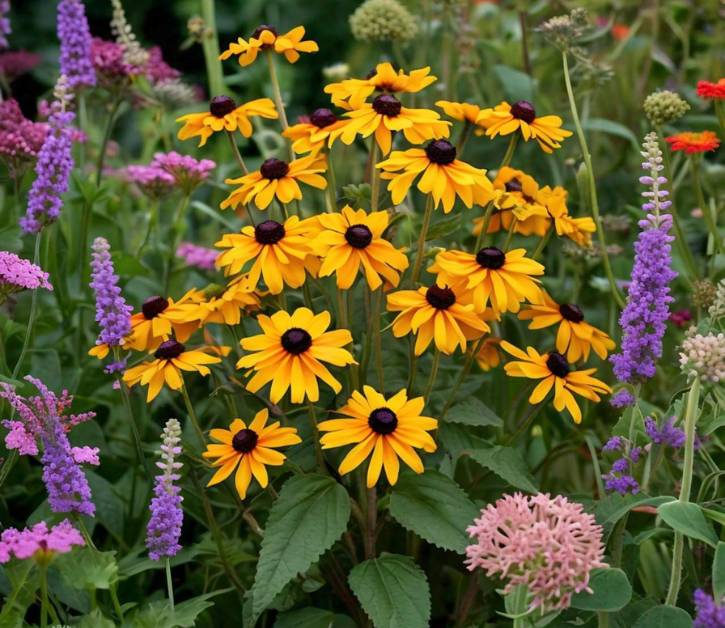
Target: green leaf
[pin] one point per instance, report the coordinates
(660, 616)
(507, 463)
(312, 618)
(688, 519)
(718, 572)
(613, 507)
(611, 592)
(473, 411)
(88, 569)
(516, 85)
(109, 506)
(434, 507)
(715, 515)
(612, 128)
(443, 227)
(160, 614)
(393, 591)
(95, 619)
(310, 515)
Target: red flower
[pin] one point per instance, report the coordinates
(620, 31)
(694, 142)
(711, 91)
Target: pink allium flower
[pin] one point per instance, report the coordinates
(548, 544)
(187, 171)
(20, 139)
(39, 541)
(18, 274)
(152, 180)
(198, 256)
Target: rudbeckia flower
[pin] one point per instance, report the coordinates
(690, 142)
(224, 115)
(351, 93)
(158, 318)
(505, 119)
(280, 252)
(554, 371)
(462, 111)
(489, 356)
(223, 305)
(711, 91)
(579, 230)
(352, 238)
(265, 37)
(248, 450)
(443, 176)
(169, 360)
(312, 133)
(290, 353)
(506, 279)
(575, 337)
(435, 313)
(386, 430)
(276, 178)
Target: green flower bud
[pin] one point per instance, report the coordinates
(664, 106)
(383, 20)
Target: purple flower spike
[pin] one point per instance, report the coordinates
(667, 435)
(75, 44)
(112, 313)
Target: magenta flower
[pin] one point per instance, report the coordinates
(153, 181)
(188, 172)
(20, 139)
(18, 274)
(39, 542)
(199, 256)
(15, 63)
(5, 29)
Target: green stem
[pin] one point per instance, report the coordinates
(237, 154)
(174, 240)
(169, 584)
(153, 219)
(43, 595)
(433, 374)
(316, 435)
(421, 240)
(276, 90)
(377, 337)
(131, 420)
(192, 416)
(519, 606)
(710, 220)
(374, 176)
(32, 316)
(542, 243)
(331, 189)
(372, 519)
(467, 364)
(210, 45)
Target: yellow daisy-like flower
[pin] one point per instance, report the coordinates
(443, 176)
(276, 178)
(312, 134)
(290, 354)
(435, 313)
(575, 337)
(248, 450)
(159, 317)
(504, 279)
(281, 252)
(505, 119)
(223, 305)
(387, 430)
(265, 37)
(353, 238)
(224, 115)
(170, 359)
(489, 356)
(555, 372)
(579, 230)
(461, 111)
(352, 93)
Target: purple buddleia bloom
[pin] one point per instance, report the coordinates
(619, 479)
(710, 614)
(75, 44)
(615, 443)
(622, 484)
(622, 399)
(164, 527)
(5, 29)
(113, 315)
(667, 435)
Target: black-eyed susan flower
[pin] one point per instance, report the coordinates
(575, 337)
(290, 353)
(352, 93)
(442, 175)
(463, 112)
(312, 133)
(505, 119)
(265, 37)
(386, 430)
(281, 252)
(504, 279)
(435, 313)
(554, 371)
(224, 115)
(223, 304)
(249, 450)
(159, 317)
(170, 359)
(353, 238)
(488, 355)
(579, 230)
(276, 178)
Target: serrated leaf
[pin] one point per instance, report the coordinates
(661, 616)
(310, 514)
(507, 463)
(473, 411)
(688, 519)
(312, 618)
(393, 591)
(434, 507)
(87, 568)
(611, 592)
(718, 572)
(160, 614)
(95, 619)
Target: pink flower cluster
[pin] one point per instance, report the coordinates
(27, 543)
(151, 180)
(548, 544)
(188, 172)
(18, 274)
(112, 69)
(15, 63)
(20, 139)
(198, 256)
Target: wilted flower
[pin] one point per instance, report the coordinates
(703, 293)
(18, 274)
(133, 53)
(39, 542)
(664, 106)
(563, 30)
(703, 355)
(383, 20)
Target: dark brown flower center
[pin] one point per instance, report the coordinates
(219, 106)
(296, 341)
(440, 298)
(153, 306)
(358, 236)
(387, 105)
(557, 364)
(169, 349)
(523, 110)
(260, 29)
(245, 440)
(269, 232)
(514, 185)
(383, 421)
(491, 257)
(322, 118)
(571, 312)
(441, 152)
(274, 168)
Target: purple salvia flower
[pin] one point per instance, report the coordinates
(75, 44)
(667, 435)
(113, 315)
(622, 399)
(710, 614)
(164, 527)
(5, 29)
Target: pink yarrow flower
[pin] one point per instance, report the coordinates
(188, 172)
(151, 180)
(199, 256)
(18, 274)
(39, 542)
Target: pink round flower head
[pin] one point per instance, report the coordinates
(151, 180)
(18, 274)
(548, 544)
(199, 256)
(188, 172)
(39, 542)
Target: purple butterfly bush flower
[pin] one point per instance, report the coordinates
(667, 435)
(75, 44)
(5, 29)
(709, 613)
(113, 315)
(619, 479)
(622, 399)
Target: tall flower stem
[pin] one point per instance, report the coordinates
(467, 364)
(277, 92)
(331, 189)
(169, 584)
(433, 374)
(316, 435)
(710, 220)
(210, 44)
(237, 154)
(421, 240)
(693, 398)
(174, 240)
(374, 177)
(32, 316)
(192, 415)
(377, 337)
(44, 595)
(519, 606)
(594, 202)
(131, 420)
(372, 522)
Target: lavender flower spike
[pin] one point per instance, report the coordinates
(112, 313)
(5, 29)
(644, 318)
(164, 527)
(75, 44)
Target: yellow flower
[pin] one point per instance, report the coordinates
(443, 176)
(158, 318)
(351, 93)
(575, 337)
(265, 37)
(579, 230)
(281, 252)
(223, 305)
(384, 429)
(435, 313)
(505, 119)
(505, 279)
(276, 178)
(353, 238)
(554, 371)
(489, 356)
(290, 352)
(461, 111)
(170, 359)
(311, 135)
(224, 115)
(248, 450)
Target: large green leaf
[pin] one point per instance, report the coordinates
(611, 591)
(611, 128)
(473, 411)
(718, 572)
(664, 617)
(312, 618)
(434, 507)
(393, 591)
(160, 615)
(688, 519)
(613, 507)
(310, 515)
(109, 506)
(507, 463)
(87, 568)
(516, 85)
